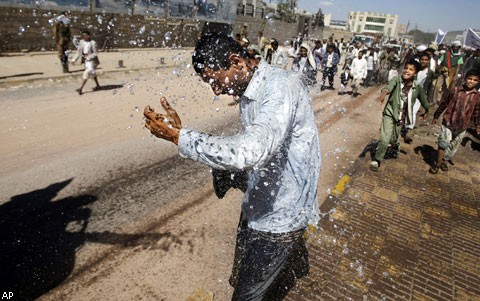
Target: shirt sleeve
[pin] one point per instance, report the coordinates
(391, 85)
(444, 104)
(255, 145)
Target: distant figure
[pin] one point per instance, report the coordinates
(276, 56)
(329, 62)
(344, 79)
(62, 36)
(359, 72)
(87, 50)
(305, 64)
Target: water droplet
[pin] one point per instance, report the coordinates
(168, 36)
(136, 109)
(217, 109)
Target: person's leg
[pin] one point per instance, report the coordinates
(330, 78)
(355, 84)
(410, 132)
(270, 266)
(240, 249)
(324, 77)
(452, 149)
(387, 129)
(444, 140)
(96, 82)
(86, 72)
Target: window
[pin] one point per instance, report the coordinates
(374, 27)
(389, 32)
(375, 20)
(359, 28)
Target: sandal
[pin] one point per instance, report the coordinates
(444, 167)
(433, 170)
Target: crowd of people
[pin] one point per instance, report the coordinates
(414, 76)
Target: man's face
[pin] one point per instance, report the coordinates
(86, 37)
(424, 60)
(409, 72)
(360, 55)
(231, 81)
(471, 82)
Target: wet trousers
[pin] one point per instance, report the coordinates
(266, 265)
(450, 141)
(389, 134)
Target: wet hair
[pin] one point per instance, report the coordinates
(213, 50)
(86, 32)
(473, 72)
(414, 63)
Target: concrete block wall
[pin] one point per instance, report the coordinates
(30, 30)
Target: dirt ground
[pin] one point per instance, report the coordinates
(156, 230)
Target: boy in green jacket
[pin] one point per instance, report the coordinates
(402, 93)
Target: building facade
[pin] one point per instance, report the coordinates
(373, 23)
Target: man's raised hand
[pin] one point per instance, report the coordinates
(166, 126)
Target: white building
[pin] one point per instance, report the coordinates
(376, 23)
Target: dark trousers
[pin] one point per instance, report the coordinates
(266, 265)
(328, 73)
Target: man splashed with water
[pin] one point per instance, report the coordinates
(278, 148)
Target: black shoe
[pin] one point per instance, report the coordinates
(433, 170)
(79, 91)
(98, 88)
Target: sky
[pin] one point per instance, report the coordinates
(426, 15)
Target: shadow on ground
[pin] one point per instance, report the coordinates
(21, 75)
(41, 235)
(428, 153)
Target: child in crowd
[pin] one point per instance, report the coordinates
(330, 61)
(402, 93)
(425, 79)
(461, 105)
(344, 79)
(87, 50)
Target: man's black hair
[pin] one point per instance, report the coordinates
(415, 64)
(473, 72)
(424, 53)
(212, 51)
(86, 32)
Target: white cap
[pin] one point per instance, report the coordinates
(457, 43)
(421, 48)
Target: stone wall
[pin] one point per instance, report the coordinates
(29, 29)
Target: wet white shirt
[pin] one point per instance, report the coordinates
(278, 146)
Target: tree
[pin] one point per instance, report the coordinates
(285, 11)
